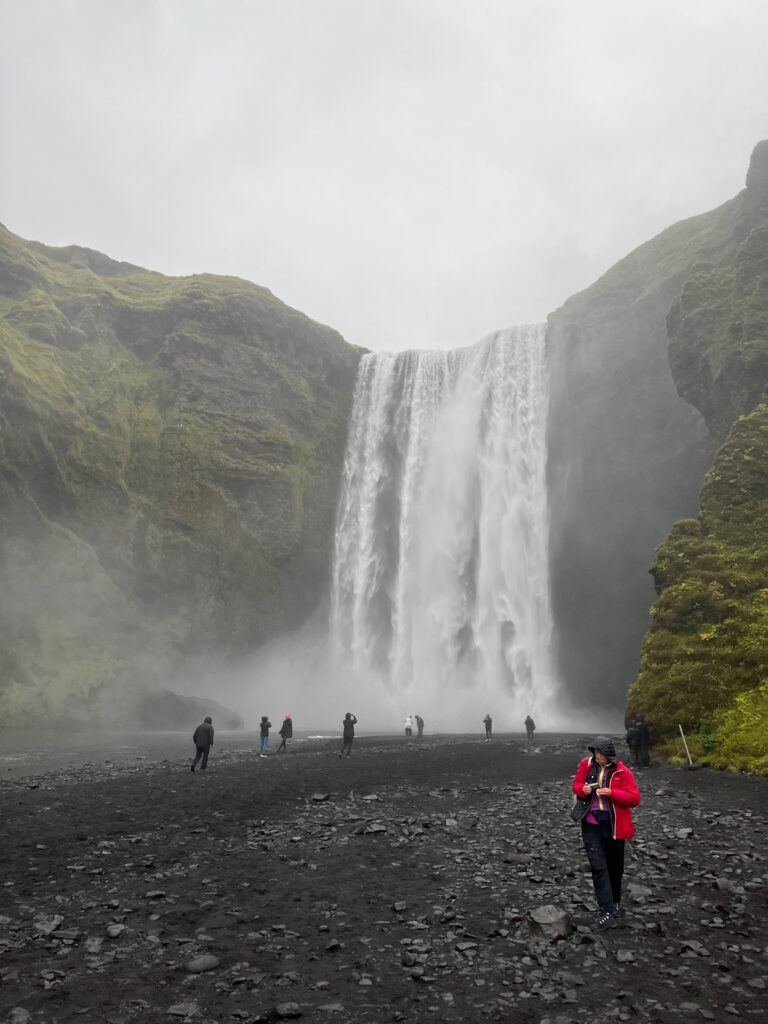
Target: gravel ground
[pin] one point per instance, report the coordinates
(393, 886)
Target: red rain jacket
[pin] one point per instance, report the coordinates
(624, 795)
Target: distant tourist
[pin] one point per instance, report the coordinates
(409, 725)
(530, 728)
(286, 733)
(645, 742)
(633, 742)
(202, 737)
(420, 725)
(264, 728)
(605, 791)
(348, 738)
(488, 723)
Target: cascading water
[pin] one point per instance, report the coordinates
(440, 577)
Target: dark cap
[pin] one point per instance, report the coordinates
(605, 745)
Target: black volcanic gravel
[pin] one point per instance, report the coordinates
(394, 886)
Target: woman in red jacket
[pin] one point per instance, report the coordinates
(606, 790)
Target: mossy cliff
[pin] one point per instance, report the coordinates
(705, 657)
(169, 463)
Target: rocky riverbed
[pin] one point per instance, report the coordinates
(394, 886)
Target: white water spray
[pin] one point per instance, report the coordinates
(440, 577)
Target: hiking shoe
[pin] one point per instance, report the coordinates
(603, 922)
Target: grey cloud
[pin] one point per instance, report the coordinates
(413, 173)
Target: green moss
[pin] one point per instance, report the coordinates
(705, 657)
(62, 667)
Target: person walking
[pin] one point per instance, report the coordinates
(633, 742)
(530, 728)
(605, 791)
(286, 733)
(488, 723)
(419, 726)
(202, 737)
(644, 753)
(264, 728)
(409, 725)
(348, 734)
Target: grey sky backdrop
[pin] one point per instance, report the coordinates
(415, 173)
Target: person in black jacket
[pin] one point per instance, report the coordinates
(203, 740)
(348, 727)
(633, 742)
(286, 732)
(264, 726)
(530, 728)
(645, 742)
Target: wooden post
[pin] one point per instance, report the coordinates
(690, 759)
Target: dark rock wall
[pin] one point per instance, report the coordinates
(627, 453)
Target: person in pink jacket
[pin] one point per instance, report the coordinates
(606, 791)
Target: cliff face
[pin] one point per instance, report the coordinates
(705, 657)
(169, 465)
(627, 454)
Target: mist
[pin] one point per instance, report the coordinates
(300, 674)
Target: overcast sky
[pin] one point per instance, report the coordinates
(415, 173)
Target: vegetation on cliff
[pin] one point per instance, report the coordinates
(705, 657)
(169, 456)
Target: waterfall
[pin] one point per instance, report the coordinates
(440, 574)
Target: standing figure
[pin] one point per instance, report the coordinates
(409, 726)
(348, 738)
(633, 742)
(264, 728)
(530, 728)
(420, 725)
(286, 732)
(202, 737)
(606, 790)
(645, 742)
(488, 723)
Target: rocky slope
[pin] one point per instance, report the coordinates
(705, 657)
(169, 459)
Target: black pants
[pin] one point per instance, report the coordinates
(283, 745)
(606, 859)
(346, 746)
(635, 753)
(202, 752)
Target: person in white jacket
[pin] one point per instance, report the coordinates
(409, 726)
